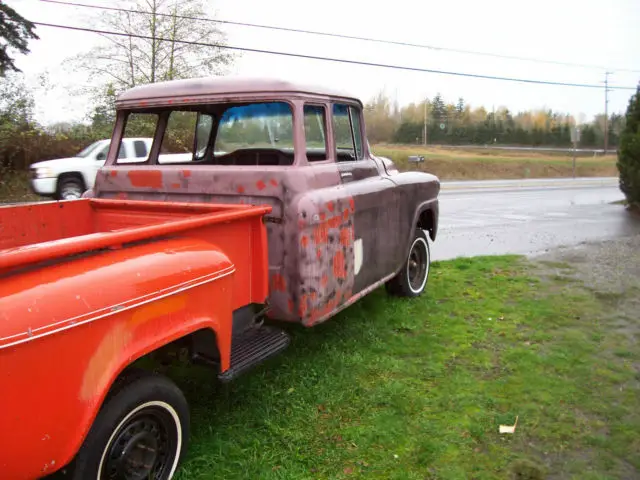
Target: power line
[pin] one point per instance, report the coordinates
(343, 36)
(329, 59)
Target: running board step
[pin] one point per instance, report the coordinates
(252, 348)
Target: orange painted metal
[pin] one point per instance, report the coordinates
(70, 325)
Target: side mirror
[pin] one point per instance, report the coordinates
(101, 156)
(416, 158)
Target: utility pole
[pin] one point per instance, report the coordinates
(606, 111)
(424, 136)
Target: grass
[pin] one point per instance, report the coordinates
(416, 389)
(14, 187)
(481, 164)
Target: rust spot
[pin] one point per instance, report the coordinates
(175, 185)
(352, 205)
(324, 280)
(146, 178)
(334, 222)
(113, 173)
(278, 283)
(304, 241)
(345, 215)
(346, 236)
(302, 309)
(260, 185)
(143, 103)
(330, 206)
(186, 173)
(314, 296)
(322, 216)
(273, 182)
(240, 189)
(321, 234)
(319, 254)
(339, 270)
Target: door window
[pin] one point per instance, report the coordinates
(347, 132)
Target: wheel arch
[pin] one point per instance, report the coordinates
(74, 175)
(124, 372)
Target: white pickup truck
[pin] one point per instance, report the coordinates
(69, 178)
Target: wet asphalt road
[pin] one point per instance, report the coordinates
(528, 217)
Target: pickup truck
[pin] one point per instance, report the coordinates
(69, 178)
(282, 214)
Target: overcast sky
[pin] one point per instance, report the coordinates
(590, 32)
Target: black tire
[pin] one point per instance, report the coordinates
(140, 432)
(70, 188)
(412, 278)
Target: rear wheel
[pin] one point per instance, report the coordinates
(412, 278)
(70, 189)
(140, 433)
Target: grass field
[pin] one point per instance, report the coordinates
(486, 164)
(416, 389)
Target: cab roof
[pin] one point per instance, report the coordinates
(198, 89)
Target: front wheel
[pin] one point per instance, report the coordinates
(70, 189)
(140, 433)
(411, 280)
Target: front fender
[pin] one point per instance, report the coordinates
(57, 362)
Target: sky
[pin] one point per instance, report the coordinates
(592, 32)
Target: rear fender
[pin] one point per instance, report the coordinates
(73, 363)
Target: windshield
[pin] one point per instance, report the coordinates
(257, 125)
(87, 151)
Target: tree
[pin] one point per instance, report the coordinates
(15, 33)
(163, 55)
(629, 152)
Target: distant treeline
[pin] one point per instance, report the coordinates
(459, 124)
(23, 141)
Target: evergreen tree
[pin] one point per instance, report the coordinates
(629, 152)
(15, 33)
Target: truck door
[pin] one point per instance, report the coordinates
(361, 177)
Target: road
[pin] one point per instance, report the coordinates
(528, 216)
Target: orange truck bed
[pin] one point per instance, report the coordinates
(89, 286)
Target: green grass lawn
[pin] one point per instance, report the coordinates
(416, 389)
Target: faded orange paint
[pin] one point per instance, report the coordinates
(330, 206)
(175, 185)
(319, 254)
(273, 182)
(352, 205)
(97, 373)
(159, 308)
(304, 241)
(186, 173)
(113, 173)
(339, 268)
(345, 215)
(260, 185)
(324, 281)
(240, 189)
(146, 178)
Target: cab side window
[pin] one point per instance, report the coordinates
(347, 132)
(315, 133)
